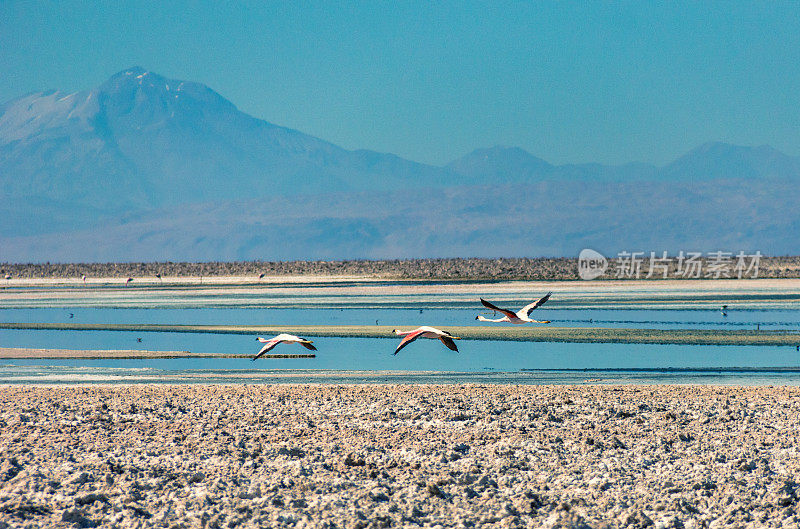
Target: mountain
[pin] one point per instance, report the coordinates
(721, 160)
(551, 218)
(146, 167)
(501, 164)
(710, 161)
(142, 141)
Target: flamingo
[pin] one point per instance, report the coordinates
(83, 277)
(128, 281)
(426, 332)
(518, 318)
(282, 338)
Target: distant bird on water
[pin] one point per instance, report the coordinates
(282, 338)
(426, 332)
(8, 277)
(159, 277)
(128, 281)
(261, 275)
(518, 318)
(83, 277)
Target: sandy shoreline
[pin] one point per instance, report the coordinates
(380, 456)
(42, 354)
(23, 352)
(518, 334)
(310, 292)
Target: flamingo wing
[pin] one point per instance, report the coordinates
(447, 341)
(408, 339)
(270, 344)
(498, 309)
(527, 309)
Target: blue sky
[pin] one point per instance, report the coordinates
(570, 82)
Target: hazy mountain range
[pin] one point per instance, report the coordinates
(144, 167)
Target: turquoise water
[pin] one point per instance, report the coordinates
(476, 357)
(371, 359)
(625, 318)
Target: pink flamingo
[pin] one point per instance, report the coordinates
(282, 338)
(426, 332)
(518, 318)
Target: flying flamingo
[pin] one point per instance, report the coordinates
(523, 316)
(426, 332)
(282, 338)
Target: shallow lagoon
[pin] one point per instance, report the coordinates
(653, 362)
(371, 359)
(624, 318)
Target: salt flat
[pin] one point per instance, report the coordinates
(380, 456)
(327, 291)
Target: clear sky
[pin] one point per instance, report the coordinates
(570, 82)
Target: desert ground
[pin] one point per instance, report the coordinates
(537, 269)
(386, 456)
(369, 292)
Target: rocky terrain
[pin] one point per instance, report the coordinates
(384, 456)
(539, 269)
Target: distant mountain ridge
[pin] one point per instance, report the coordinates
(142, 141)
(143, 165)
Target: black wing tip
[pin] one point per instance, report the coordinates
(449, 343)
